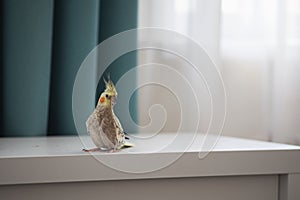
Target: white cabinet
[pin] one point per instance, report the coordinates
(55, 168)
(205, 188)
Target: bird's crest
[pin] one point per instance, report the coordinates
(109, 86)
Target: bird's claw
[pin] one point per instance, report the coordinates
(91, 150)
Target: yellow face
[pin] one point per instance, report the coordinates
(104, 99)
(107, 99)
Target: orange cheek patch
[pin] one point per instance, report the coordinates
(102, 99)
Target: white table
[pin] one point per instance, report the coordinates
(56, 168)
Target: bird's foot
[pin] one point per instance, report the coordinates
(113, 150)
(91, 150)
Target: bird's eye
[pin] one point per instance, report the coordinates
(106, 95)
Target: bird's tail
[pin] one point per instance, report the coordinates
(127, 145)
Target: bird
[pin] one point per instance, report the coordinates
(103, 125)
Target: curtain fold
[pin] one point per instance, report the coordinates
(43, 44)
(1, 63)
(75, 34)
(115, 17)
(27, 33)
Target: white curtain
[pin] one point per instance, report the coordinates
(260, 48)
(256, 44)
(178, 15)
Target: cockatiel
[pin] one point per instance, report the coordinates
(103, 125)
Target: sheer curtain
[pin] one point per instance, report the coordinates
(256, 44)
(260, 44)
(196, 19)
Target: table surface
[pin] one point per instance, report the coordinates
(161, 143)
(166, 155)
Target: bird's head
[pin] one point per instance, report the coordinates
(109, 96)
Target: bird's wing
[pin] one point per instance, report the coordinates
(109, 127)
(118, 124)
(107, 138)
(91, 123)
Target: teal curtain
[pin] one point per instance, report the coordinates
(26, 50)
(112, 24)
(1, 61)
(43, 43)
(75, 34)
